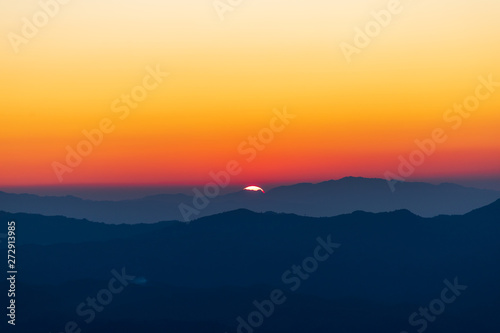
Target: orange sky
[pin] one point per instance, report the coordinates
(226, 78)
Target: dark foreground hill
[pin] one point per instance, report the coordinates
(46, 230)
(351, 273)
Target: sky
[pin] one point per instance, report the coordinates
(355, 114)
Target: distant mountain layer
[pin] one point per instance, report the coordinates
(329, 198)
(375, 271)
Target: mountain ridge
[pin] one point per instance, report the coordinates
(328, 198)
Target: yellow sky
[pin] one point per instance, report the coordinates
(227, 76)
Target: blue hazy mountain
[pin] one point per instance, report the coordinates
(201, 276)
(329, 198)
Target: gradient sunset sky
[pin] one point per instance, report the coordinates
(226, 78)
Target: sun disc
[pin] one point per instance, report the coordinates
(254, 188)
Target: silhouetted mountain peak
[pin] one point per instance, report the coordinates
(492, 211)
(399, 213)
(403, 213)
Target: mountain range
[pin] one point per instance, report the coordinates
(324, 199)
(204, 275)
